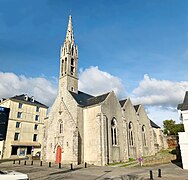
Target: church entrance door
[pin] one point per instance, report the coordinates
(58, 154)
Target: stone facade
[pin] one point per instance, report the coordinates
(24, 135)
(94, 129)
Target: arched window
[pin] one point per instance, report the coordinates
(72, 50)
(62, 63)
(114, 131)
(60, 126)
(144, 136)
(65, 65)
(130, 134)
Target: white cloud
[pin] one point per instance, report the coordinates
(160, 96)
(163, 93)
(42, 89)
(95, 81)
(159, 114)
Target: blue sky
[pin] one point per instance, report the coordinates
(138, 42)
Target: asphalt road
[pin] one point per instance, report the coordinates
(36, 172)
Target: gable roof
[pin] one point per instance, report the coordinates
(28, 101)
(136, 107)
(122, 102)
(153, 124)
(81, 98)
(184, 105)
(84, 99)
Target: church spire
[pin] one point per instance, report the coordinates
(68, 62)
(69, 35)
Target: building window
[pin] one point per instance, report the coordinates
(114, 131)
(130, 134)
(18, 124)
(36, 127)
(72, 62)
(65, 65)
(35, 137)
(61, 127)
(16, 136)
(37, 109)
(144, 136)
(72, 70)
(36, 117)
(62, 66)
(19, 115)
(20, 105)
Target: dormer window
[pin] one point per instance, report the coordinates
(26, 98)
(32, 99)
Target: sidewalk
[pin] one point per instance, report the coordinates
(169, 171)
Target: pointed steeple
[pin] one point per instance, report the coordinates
(69, 35)
(68, 62)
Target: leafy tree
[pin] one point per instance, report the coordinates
(171, 128)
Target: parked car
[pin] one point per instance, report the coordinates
(13, 175)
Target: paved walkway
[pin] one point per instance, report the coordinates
(169, 171)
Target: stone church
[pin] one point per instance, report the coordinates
(95, 129)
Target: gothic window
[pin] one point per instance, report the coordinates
(62, 63)
(65, 65)
(114, 131)
(144, 136)
(72, 62)
(130, 134)
(72, 70)
(72, 50)
(61, 127)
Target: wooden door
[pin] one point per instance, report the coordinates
(58, 154)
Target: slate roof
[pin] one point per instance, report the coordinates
(154, 125)
(184, 105)
(122, 102)
(84, 99)
(136, 107)
(29, 101)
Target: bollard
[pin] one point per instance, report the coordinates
(19, 162)
(41, 163)
(25, 163)
(71, 166)
(151, 175)
(31, 162)
(49, 164)
(159, 173)
(14, 162)
(85, 165)
(59, 165)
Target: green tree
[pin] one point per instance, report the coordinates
(171, 128)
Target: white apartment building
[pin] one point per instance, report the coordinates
(24, 134)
